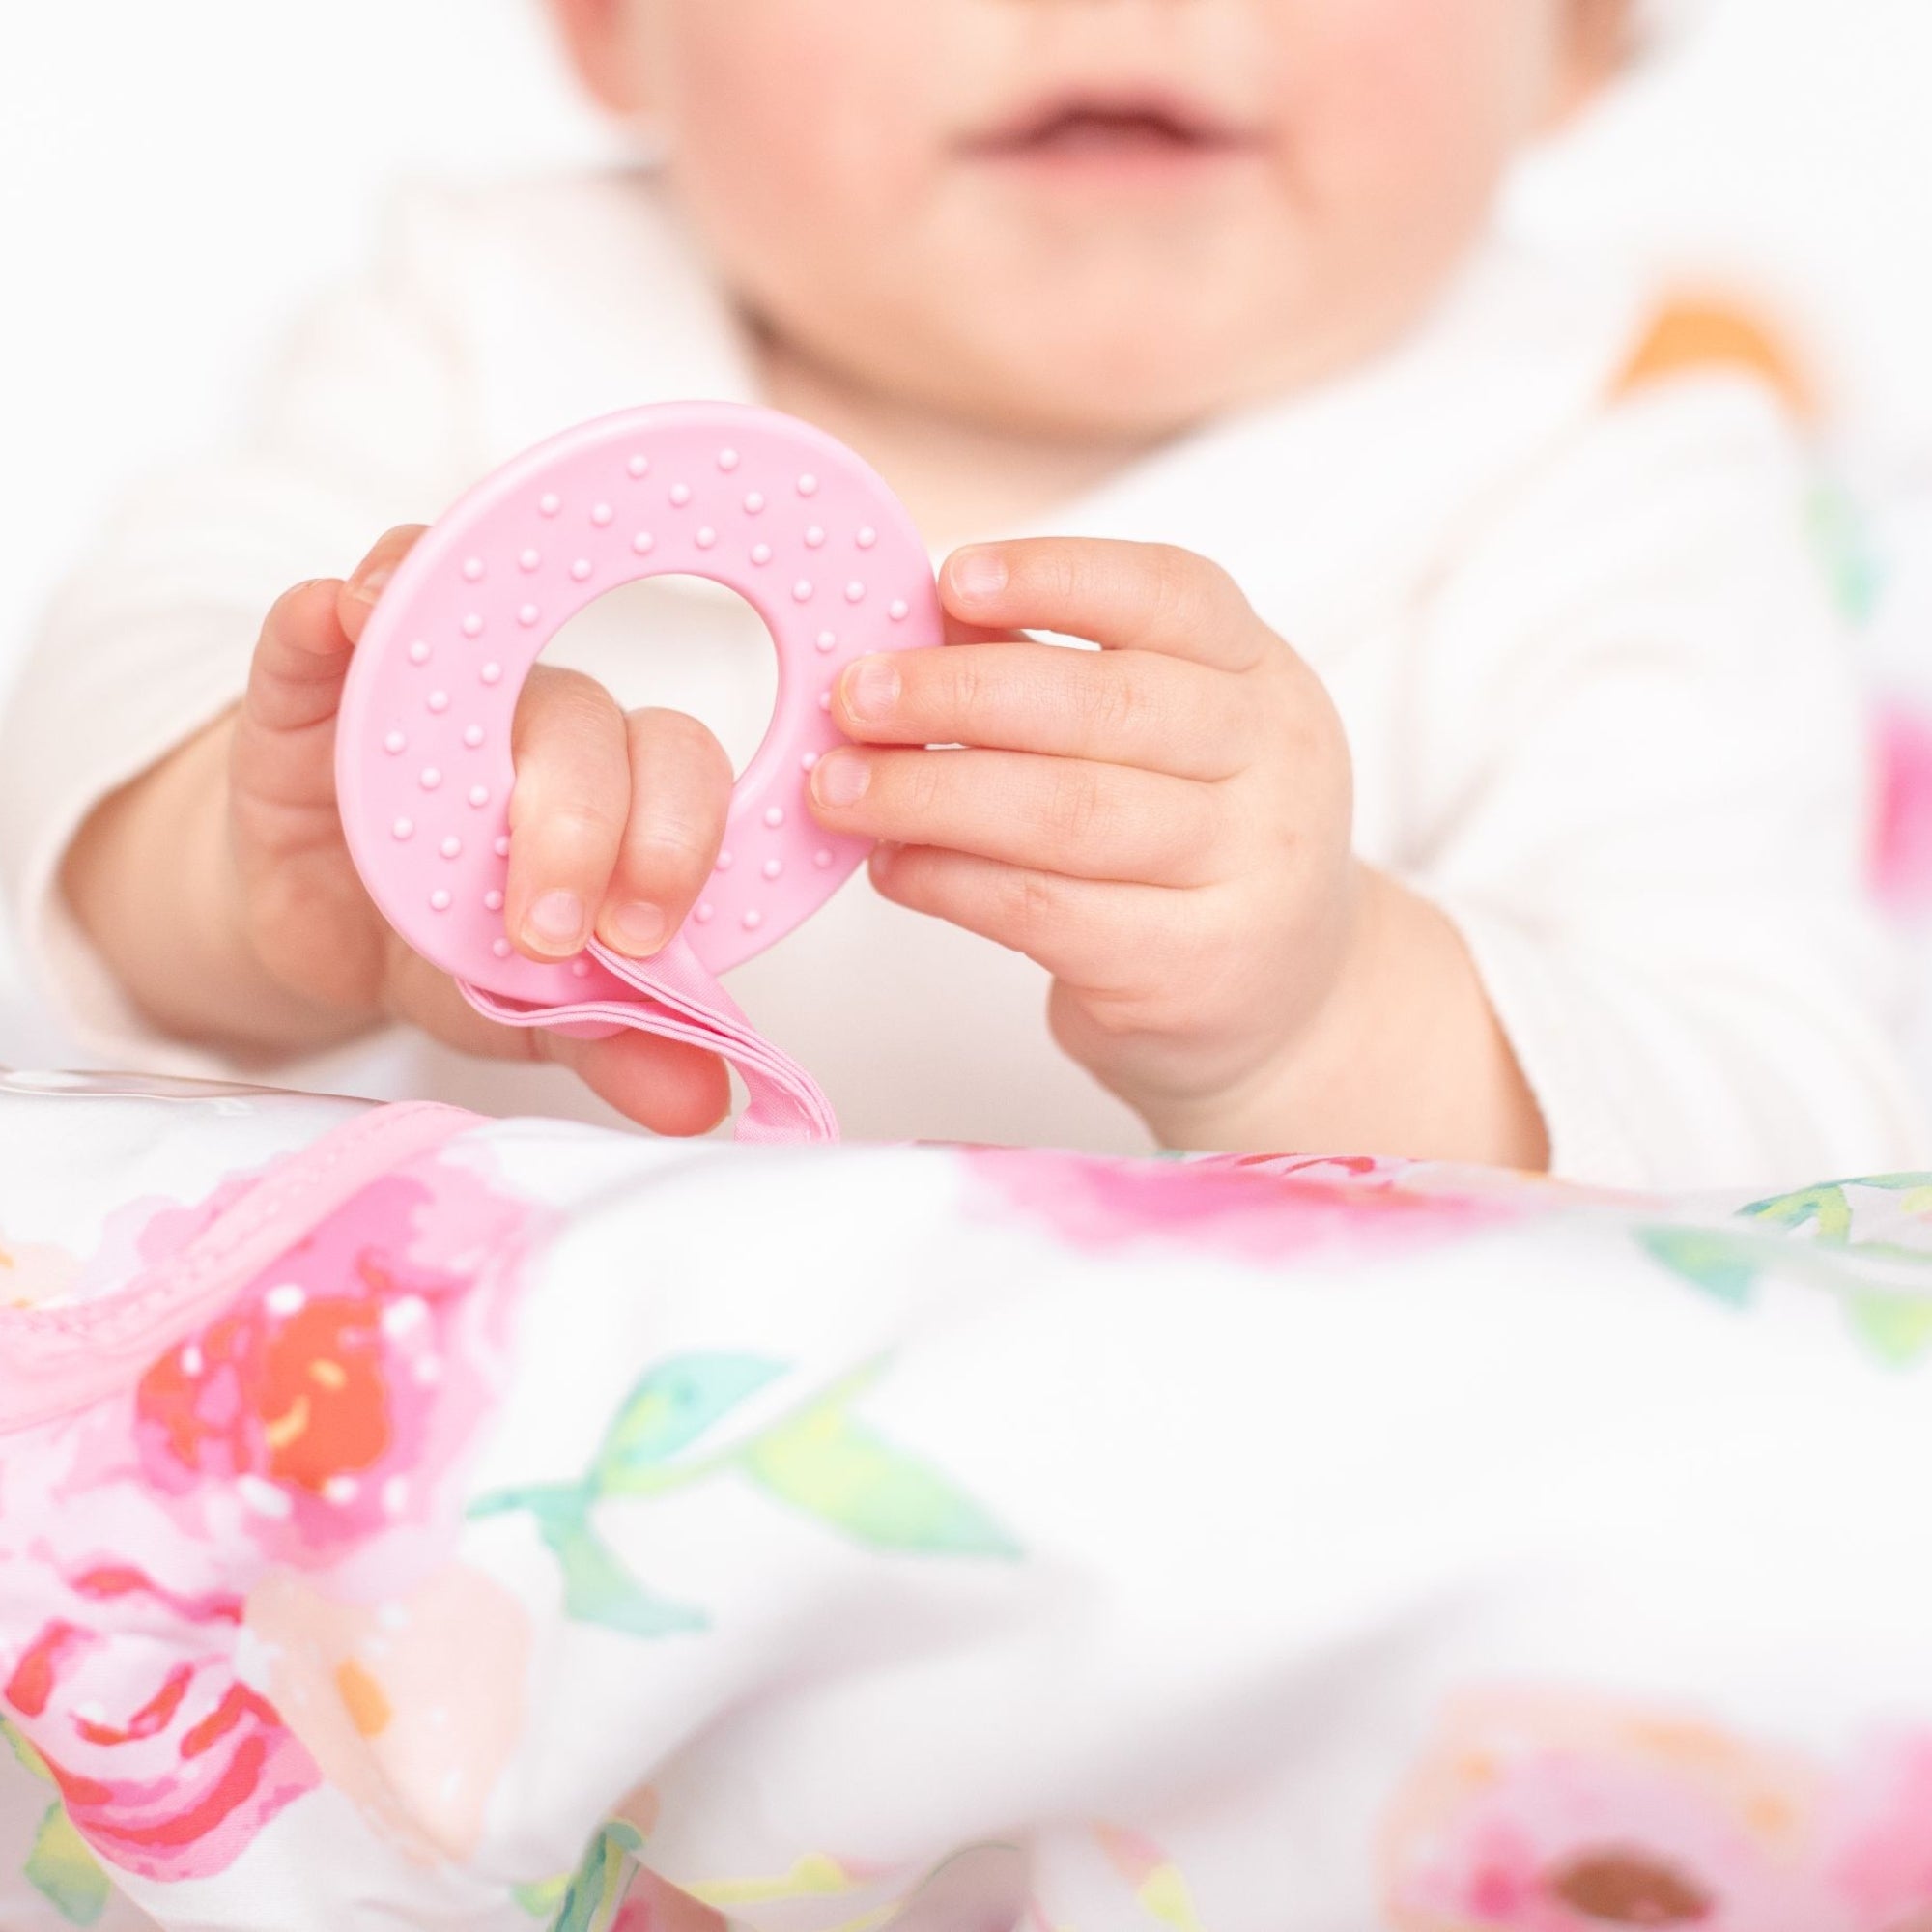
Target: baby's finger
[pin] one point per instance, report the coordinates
(371, 576)
(567, 810)
(417, 994)
(680, 792)
(284, 750)
(300, 659)
(286, 743)
(1119, 707)
(663, 1084)
(1124, 596)
(1068, 815)
(1098, 937)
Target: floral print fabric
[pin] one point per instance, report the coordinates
(535, 1527)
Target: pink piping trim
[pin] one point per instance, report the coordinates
(54, 1361)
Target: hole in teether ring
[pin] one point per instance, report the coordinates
(682, 643)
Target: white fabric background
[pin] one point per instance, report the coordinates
(175, 181)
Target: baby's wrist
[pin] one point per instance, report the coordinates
(1256, 1099)
(1406, 1057)
(153, 881)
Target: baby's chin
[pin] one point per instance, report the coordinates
(1115, 356)
(1109, 315)
(1083, 311)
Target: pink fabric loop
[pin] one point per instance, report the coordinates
(679, 997)
(56, 1360)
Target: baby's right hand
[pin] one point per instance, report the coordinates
(615, 822)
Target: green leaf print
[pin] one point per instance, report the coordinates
(833, 1467)
(1722, 1265)
(1828, 1213)
(593, 1895)
(60, 1868)
(1812, 1236)
(64, 1872)
(1847, 550)
(1916, 1187)
(597, 1588)
(818, 1460)
(1828, 1209)
(669, 1410)
(31, 1761)
(1897, 1328)
(542, 1900)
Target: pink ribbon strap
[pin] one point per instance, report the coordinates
(679, 997)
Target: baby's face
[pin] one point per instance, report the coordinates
(1094, 218)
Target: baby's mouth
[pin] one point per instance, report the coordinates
(1106, 136)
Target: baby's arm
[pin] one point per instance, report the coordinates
(1625, 927)
(219, 889)
(123, 865)
(1165, 825)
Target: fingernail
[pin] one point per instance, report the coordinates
(638, 928)
(978, 573)
(840, 778)
(557, 921)
(368, 585)
(873, 688)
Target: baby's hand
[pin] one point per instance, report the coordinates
(615, 822)
(1163, 824)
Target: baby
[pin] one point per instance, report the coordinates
(1469, 767)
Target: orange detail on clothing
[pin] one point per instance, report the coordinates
(363, 1699)
(1692, 334)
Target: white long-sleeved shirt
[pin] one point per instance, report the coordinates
(1599, 706)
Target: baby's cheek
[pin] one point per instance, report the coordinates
(1405, 112)
(794, 116)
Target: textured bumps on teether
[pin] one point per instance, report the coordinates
(768, 506)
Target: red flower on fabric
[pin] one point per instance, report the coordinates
(316, 1425)
(169, 1778)
(337, 1389)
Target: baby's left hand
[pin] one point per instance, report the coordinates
(1163, 824)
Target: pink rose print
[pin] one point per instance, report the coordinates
(316, 1425)
(1560, 1816)
(1903, 858)
(1247, 1207)
(169, 1770)
(653, 1906)
(144, 1233)
(1879, 1860)
(134, 1235)
(413, 1708)
(345, 1379)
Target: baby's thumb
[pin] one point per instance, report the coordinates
(371, 578)
(284, 752)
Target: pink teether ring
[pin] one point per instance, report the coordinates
(791, 520)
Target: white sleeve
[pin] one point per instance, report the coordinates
(1636, 775)
(362, 425)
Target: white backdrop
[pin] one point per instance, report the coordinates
(176, 179)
